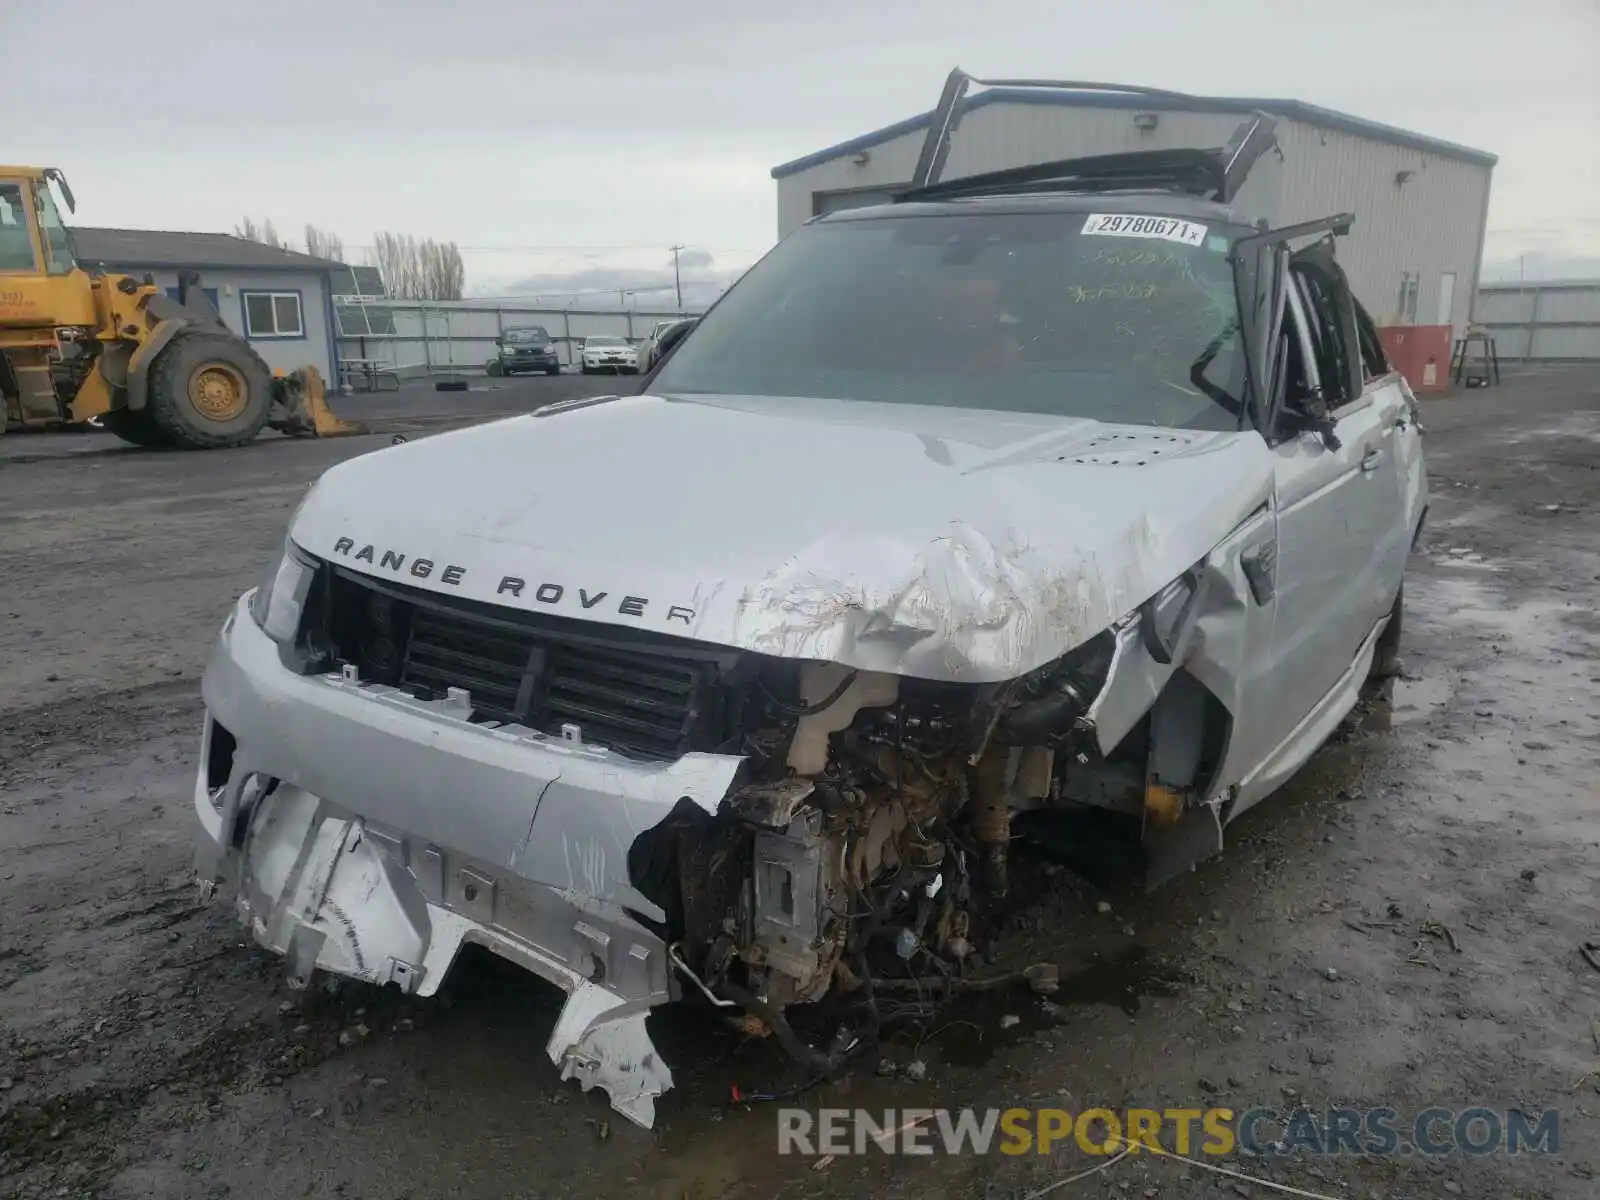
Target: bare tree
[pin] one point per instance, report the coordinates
(321, 243)
(391, 254)
(263, 233)
(416, 269)
(444, 275)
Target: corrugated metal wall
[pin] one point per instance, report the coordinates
(1542, 320)
(1428, 227)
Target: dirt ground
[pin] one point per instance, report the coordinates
(1400, 927)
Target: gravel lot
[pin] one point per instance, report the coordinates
(146, 1051)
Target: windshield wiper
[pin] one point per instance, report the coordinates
(1197, 372)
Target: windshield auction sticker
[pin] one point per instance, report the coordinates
(1168, 229)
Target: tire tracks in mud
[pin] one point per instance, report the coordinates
(99, 721)
(200, 1027)
(128, 1008)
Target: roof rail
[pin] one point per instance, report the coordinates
(1213, 174)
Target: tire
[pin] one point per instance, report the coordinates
(1386, 654)
(585, 369)
(209, 391)
(555, 370)
(135, 428)
(495, 369)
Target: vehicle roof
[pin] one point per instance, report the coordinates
(1154, 203)
(526, 329)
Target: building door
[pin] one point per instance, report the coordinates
(1447, 297)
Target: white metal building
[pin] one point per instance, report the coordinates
(1420, 203)
(279, 300)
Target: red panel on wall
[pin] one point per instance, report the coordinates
(1419, 352)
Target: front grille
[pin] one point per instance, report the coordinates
(642, 694)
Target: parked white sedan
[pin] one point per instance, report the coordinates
(605, 353)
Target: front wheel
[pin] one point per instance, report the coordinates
(556, 370)
(1386, 654)
(209, 391)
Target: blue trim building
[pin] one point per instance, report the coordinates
(231, 270)
(1421, 203)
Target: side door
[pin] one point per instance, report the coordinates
(1337, 499)
(1395, 396)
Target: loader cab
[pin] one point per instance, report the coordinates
(34, 240)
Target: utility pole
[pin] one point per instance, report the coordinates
(677, 279)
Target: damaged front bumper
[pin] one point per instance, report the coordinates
(371, 834)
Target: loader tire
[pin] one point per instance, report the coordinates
(209, 391)
(135, 428)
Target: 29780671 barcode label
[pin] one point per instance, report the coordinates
(1168, 229)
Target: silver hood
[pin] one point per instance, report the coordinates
(939, 543)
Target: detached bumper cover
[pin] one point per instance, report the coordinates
(369, 834)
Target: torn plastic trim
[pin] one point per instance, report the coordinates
(351, 865)
(1165, 633)
(330, 892)
(1133, 682)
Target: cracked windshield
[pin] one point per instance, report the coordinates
(1025, 312)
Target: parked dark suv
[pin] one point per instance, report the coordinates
(525, 349)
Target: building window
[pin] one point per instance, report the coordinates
(272, 315)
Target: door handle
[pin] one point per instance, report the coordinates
(1370, 460)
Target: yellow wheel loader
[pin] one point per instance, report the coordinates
(76, 346)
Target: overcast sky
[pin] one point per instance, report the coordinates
(583, 137)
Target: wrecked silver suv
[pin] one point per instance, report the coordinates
(1059, 489)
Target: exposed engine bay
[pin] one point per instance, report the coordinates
(867, 840)
(864, 838)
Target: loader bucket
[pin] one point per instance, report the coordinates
(300, 407)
